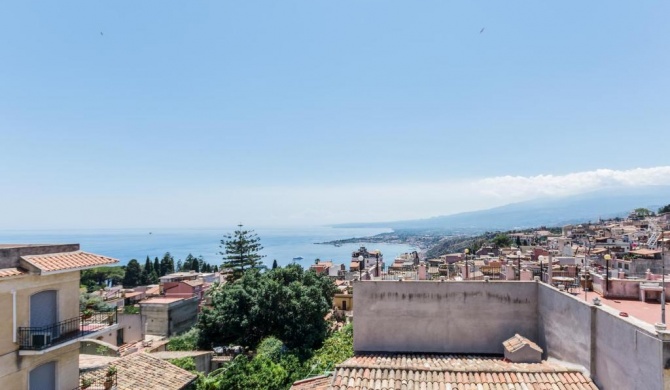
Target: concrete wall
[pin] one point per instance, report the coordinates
(455, 317)
(476, 317)
(170, 318)
(564, 326)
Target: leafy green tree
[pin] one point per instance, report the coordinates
(664, 209)
(274, 264)
(336, 349)
(288, 303)
(502, 240)
(97, 278)
(643, 212)
(240, 251)
(518, 241)
(133, 274)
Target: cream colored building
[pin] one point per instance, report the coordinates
(41, 324)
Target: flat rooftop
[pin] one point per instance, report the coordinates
(649, 312)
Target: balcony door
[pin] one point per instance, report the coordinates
(43, 377)
(44, 314)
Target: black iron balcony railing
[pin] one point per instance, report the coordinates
(43, 337)
(96, 383)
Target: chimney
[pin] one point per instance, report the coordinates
(519, 349)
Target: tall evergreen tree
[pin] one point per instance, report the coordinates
(274, 264)
(148, 266)
(240, 251)
(157, 266)
(166, 264)
(133, 274)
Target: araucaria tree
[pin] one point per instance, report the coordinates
(240, 251)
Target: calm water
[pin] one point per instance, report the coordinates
(282, 244)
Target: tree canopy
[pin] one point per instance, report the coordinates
(288, 303)
(133, 274)
(664, 209)
(502, 240)
(240, 251)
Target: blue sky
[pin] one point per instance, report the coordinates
(189, 114)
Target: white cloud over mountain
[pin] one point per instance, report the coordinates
(572, 183)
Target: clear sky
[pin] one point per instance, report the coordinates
(201, 114)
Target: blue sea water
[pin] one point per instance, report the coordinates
(282, 244)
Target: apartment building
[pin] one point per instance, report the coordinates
(42, 324)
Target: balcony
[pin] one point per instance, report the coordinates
(90, 382)
(38, 340)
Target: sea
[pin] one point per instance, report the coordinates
(282, 244)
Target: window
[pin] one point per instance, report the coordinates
(43, 377)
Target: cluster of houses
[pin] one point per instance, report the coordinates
(622, 258)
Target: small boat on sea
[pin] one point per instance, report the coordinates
(298, 258)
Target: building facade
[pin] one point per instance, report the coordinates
(39, 294)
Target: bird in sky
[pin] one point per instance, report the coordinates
(480, 31)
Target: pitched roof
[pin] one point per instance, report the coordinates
(321, 382)
(194, 283)
(67, 261)
(391, 371)
(9, 272)
(143, 371)
(517, 342)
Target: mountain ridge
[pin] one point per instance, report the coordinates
(549, 211)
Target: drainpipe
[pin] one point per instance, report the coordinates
(14, 315)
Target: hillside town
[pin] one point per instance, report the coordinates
(531, 309)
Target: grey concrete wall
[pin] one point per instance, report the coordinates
(156, 319)
(183, 315)
(170, 319)
(476, 317)
(564, 326)
(625, 356)
(468, 317)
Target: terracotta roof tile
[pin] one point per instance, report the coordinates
(9, 272)
(53, 262)
(321, 382)
(434, 371)
(143, 371)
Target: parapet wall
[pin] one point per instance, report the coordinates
(447, 317)
(476, 317)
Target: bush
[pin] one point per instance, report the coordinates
(186, 363)
(187, 341)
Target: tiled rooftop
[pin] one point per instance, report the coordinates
(422, 371)
(143, 371)
(9, 272)
(53, 262)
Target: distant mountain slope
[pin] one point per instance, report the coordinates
(607, 203)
